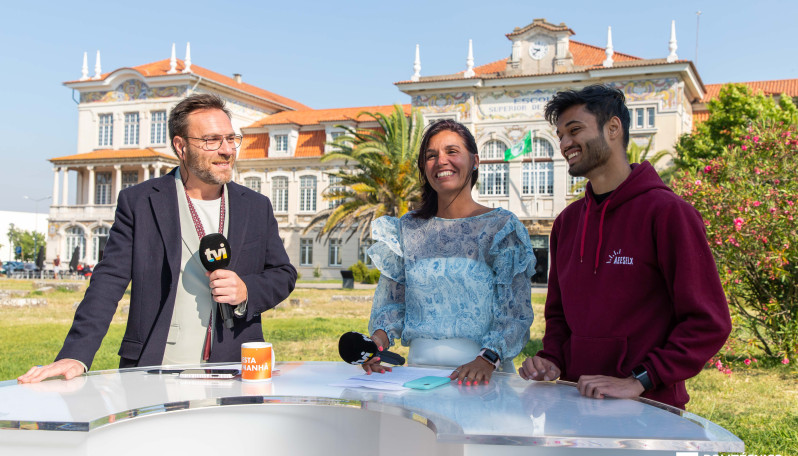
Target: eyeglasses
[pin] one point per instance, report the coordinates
(215, 142)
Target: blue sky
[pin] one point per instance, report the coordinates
(334, 54)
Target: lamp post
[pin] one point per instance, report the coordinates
(36, 217)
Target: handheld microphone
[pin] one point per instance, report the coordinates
(356, 348)
(214, 253)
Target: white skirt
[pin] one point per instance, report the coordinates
(447, 353)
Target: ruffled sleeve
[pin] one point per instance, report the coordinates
(388, 307)
(513, 264)
(386, 252)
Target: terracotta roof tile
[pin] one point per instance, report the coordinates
(699, 117)
(117, 154)
(316, 116)
(589, 55)
(161, 68)
(254, 146)
(310, 143)
(775, 87)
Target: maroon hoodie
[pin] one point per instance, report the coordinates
(633, 282)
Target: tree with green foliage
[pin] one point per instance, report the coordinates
(382, 178)
(748, 197)
(730, 115)
(28, 241)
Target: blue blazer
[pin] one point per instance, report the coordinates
(144, 249)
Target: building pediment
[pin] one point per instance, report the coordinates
(540, 48)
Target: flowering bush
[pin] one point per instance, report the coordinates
(748, 198)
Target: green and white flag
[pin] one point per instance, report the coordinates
(520, 148)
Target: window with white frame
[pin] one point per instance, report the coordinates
(129, 179)
(537, 177)
(307, 194)
(75, 238)
(576, 185)
(306, 252)
(280, 194)
(493, 176)
(335, 186)
(281, 143)
(252, 183)
(644, 117)
(102, 188)
(106, 130)
(335, 134)
(131, 129)
(336, 258)
(99, 238)
(158, 127)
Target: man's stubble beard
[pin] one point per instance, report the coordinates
(596, 152)
(195, 166)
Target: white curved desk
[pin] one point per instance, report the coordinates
(132, 412)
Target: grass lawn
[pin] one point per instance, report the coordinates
(760, 405)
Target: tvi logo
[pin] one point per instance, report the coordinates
(215, 255)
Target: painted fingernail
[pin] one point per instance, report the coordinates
(459, 382)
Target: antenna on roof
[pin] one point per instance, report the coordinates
(416, 67)
(172, 62)
(672, 57)
(187, 69)
(609, 51)
(84, 74)
(469, 73)
(97, 68)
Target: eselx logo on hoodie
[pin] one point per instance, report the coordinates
(616, 258)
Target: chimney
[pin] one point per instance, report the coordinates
(237, 77)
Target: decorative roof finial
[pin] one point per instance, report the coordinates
(84, 74)
(416, 67)
(172, 62)
(469, 72)
(97, 68)
(609, 52)
(187, 69)
(672, 57)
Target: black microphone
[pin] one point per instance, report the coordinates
(214, 252)
(356, 348)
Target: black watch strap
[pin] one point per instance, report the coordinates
(641, 374)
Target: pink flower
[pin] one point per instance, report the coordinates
(744, 147)
(747, 362)
(785, 361)
(772, 210)
(708, 168)
(756, 138)
(719, 364)
(738, 223)
(757, 203)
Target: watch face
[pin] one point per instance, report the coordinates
(538, 49)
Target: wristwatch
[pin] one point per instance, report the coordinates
(641, 374)
(490, 356)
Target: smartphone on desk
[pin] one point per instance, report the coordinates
(425, 383)
(209, 373)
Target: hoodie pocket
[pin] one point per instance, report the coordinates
(596, 356)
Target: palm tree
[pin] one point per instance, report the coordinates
(383, 180)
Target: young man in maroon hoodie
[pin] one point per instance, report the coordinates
(634, 306)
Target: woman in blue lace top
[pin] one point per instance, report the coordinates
(455, 274)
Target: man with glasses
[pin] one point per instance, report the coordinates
(153, 245)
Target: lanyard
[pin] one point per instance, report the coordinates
(206, 352)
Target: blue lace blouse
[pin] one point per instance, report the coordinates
(454, 278)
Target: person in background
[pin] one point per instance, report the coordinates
(635, 305)
(56, 266)
(455, 275)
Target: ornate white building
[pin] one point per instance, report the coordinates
(122, 137)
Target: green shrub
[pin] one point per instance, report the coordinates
(748, 198)
(372, 276)
(359, 271)
(317, 272)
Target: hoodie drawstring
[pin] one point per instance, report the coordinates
(601, 233)
(584, 230)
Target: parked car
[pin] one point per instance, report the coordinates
(10, 267)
